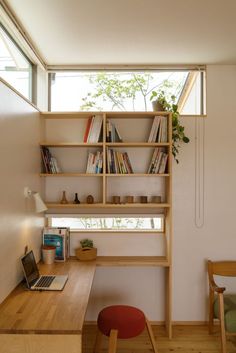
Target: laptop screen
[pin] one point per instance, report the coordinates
(30, 268)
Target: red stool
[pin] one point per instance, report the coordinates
(121, 321)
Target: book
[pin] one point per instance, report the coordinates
(154, 129)
(94, 163)
(87, 129)
(49, 162)
(151, 165)
(163, 163)
(157, 162)
(112, 133)
(95, 129)
(59, 237)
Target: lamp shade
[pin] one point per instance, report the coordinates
(39, 204)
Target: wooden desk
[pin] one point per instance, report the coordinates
(48, 321)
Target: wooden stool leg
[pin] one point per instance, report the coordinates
(151, 336)
(113, 341)
(98, 342)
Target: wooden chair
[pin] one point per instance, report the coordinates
(222, 306)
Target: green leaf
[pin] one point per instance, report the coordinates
(186, 139)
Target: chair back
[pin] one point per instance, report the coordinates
(222, 268)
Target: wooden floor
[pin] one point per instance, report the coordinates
(186, 339)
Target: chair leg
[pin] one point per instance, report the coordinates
(222, 322)
(151, 336)
(112, 341)
(210, 308)
(98, 342)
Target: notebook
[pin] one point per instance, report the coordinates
(36, 282)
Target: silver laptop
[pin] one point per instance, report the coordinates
(36, 282)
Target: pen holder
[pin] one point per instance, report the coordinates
(48, 254)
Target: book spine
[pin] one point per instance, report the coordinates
(151, 165)
(128, 162)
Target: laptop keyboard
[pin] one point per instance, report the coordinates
(45, 281)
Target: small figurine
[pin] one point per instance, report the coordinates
(64, 199)
(90, 199)
(76, 200)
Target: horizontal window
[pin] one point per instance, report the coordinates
(127, 90)
(109, 223)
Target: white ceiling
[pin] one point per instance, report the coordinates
(87, 32)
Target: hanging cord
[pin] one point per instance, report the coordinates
(199, 172)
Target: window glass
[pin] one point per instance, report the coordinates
(15, 68)
(124, 90)
(109, 223)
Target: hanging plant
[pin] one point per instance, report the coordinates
(178, 134)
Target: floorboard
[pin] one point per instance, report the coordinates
(186, 339)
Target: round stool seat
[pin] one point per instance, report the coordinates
(128, 320)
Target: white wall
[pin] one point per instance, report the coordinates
(216, 239)
(19, 166)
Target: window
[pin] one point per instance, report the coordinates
(125, 90)
(15, 67)
(109, 223)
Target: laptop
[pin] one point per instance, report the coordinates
(36, 282)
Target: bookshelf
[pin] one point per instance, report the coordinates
(65, 133)
(65, 136)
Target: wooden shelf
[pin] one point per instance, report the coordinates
(137, 175)
(100, 175)
(108, 205)
(136, 144)
(142, 156)
(70, 175)
(132, 261)
(71, 144)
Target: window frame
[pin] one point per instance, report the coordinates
(116, 231)
(32, 72)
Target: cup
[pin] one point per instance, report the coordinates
(129, 199)
(116, 200)
(143, 199)
(156, 199)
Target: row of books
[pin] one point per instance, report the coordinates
(49, 162)
(159, 130)
(158, 162)
(112, 133)
(59, 237)
(94, 163)
(118, 162)
(93, 132)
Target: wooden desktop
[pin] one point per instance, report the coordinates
(48, 321)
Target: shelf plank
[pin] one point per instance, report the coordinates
(138, 175)
(71, 144)
(114, 115)
(100, 175)
(70, 175)
(69, 115)
(138, 205)
(107, 205)
(73, 205)
(132, 261)
(136, 144)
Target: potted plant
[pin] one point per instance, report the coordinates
(178, 135)
(158, 100)
(87, 251)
